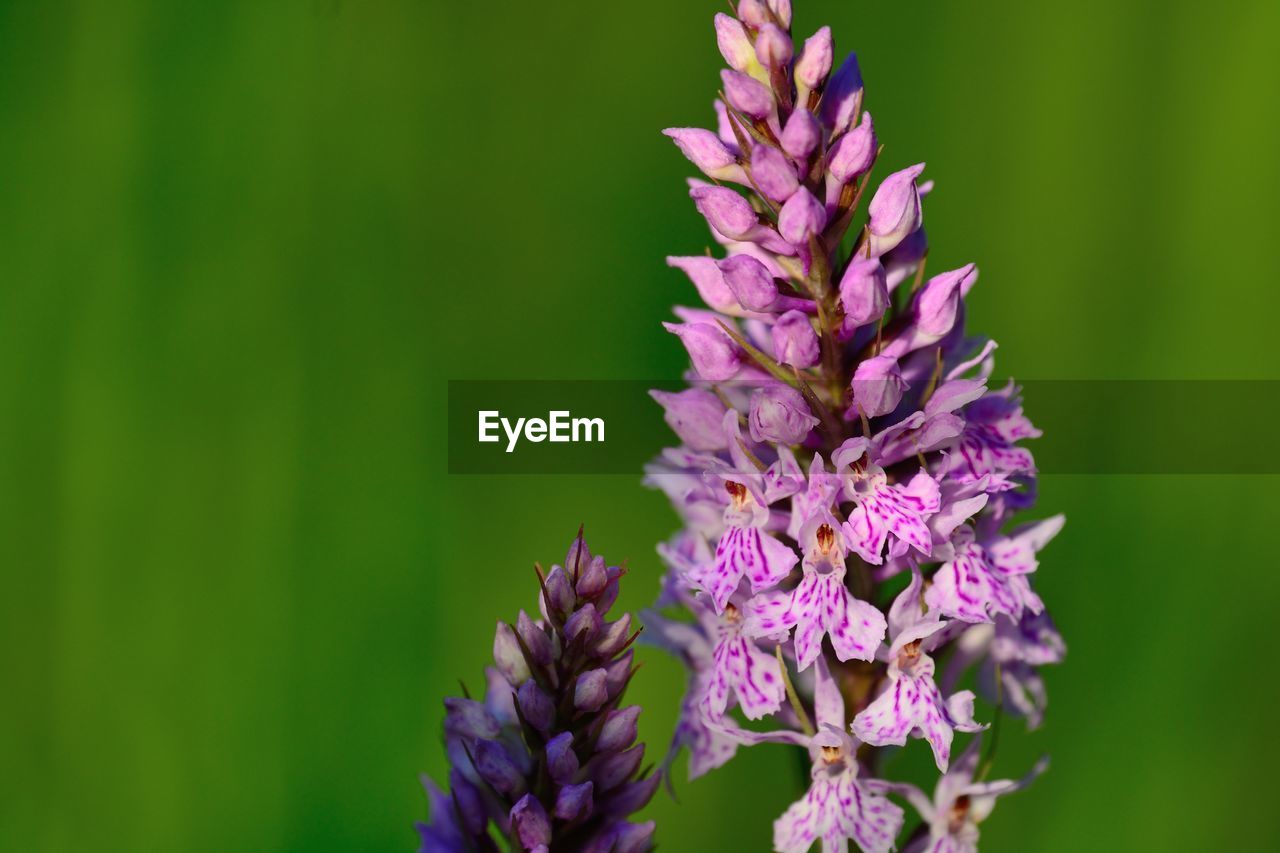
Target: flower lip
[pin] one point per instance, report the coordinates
(958, 816)
(737, 493)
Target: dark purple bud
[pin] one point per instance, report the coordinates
(469, 800)
(593, 579)
(735, 45)
(726, 211)
(801, 135)
(634, 796)
(610, 594)
(632, 837)
(591, 690)
(559, 591)
(695, 415)
(614, 637)
(618, 672)
(619, 729)
(529, 823)
(794, 341)
(562, 761)
(773, 46)
(583, 624)
(469, 718)
(574, 801)
(841, 96)
(705, 275)
(894, 212)
(535, 706)
(746, 94)
(577, 557)
(507, 655)
(535, 640)
(814, 63)
(706, 151)
(801, 217)
(854, 153)
(714, 354)
(773, 173)
(864, 296)
(611, 771)
(496, 767)
(750, 281)
(877, 386)
(779, 414)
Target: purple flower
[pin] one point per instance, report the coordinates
(960, 802)
(911, 703)
(821, 605)
(779, 414)
(838, 807)
(821, 314)
(547, 758)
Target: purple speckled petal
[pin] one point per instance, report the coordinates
(837, 809)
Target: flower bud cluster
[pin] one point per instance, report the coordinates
(549, 758)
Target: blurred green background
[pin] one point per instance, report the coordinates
(244, 244)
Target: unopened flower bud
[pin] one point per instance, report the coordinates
(801, 134)
(801, 217)
(614, 637)
(469, 718)
(535, 705)
(841, 96)
(714, 354)
(619, 729)
(559, 592)
(781, 11)
(695, 415)
(746, 94)
(507, 655)
(634, 796)
(470, 802)
(854, 153)
(593, 579)
(618, 672)
(613, 770)
(772, 173)
(894, 212)
(794, 340)
(735, 46)
(706, 151)
(583, 625)
(726, 211)
(751, 283)
(591, 690)
(877, 386)
(754, 13)
(705, 274)
(574, 801)
(939, 300)
(530, 824)
(779, 414)
(562, 761)
(535, 639)
(814, 63)
(864, 296)
(496, 767)
(773, 46)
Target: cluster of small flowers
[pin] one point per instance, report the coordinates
(839, 443)
(549, 757)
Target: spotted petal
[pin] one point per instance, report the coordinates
(837, 809)
(749, 552)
